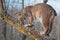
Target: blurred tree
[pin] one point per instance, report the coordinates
(24, 36)
(4, 11)
(22, 3)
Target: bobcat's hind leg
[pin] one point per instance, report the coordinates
(46, 27)
(50, 25)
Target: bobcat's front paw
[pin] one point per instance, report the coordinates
(27, 25)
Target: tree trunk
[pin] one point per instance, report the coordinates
(4, 11)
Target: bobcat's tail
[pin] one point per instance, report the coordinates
(45, 1)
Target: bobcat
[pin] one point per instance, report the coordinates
(42, 12)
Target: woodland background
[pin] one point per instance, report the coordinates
(12, 7)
